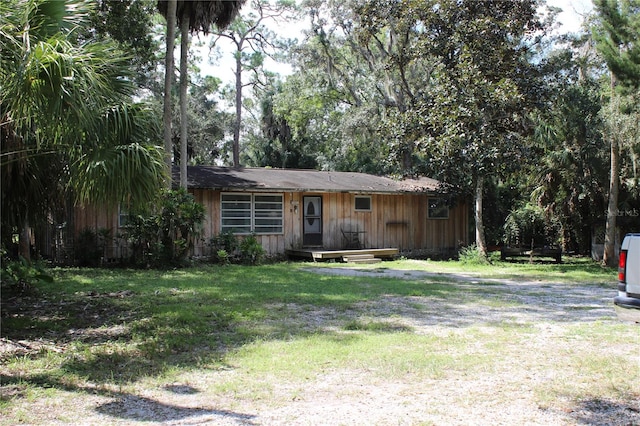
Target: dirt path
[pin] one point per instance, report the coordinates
(511, 393)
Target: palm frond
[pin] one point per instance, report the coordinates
(130, 173)
(203, 14)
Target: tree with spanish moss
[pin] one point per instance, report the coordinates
(472, 120)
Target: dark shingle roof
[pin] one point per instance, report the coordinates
(267, 179)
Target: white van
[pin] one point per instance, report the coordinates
(627, 303)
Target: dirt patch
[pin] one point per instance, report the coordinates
(511, 393)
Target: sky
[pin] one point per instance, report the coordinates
(571, 18)
(572, 14)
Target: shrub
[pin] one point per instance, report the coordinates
(165, 237)
(225, 240)
(87, 251)
(471, 255)
(251, 251)
(223, 257)
(20, 275)
(528, 225)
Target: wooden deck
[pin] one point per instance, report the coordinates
(322, 254)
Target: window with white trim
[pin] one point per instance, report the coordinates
(438, 208)
(243, 213)
(267, 214)
(362, 203)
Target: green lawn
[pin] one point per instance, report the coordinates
(124, 332)
(572, 270)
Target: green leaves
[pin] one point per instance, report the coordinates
(112, 174)
(528, 225)
(617, 34)
(67, 110)
(167, 234)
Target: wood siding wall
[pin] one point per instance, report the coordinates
(90, 217)
(398, 220)
(395, 220)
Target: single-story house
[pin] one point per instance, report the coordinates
(289, 209)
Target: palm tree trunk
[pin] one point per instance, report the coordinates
(168, 82)
(480, 241)
(236, 127)
(184, 83)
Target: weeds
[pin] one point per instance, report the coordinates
(471, 255)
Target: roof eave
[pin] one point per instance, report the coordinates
(324, 190)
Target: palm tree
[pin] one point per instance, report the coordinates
(194, 16)
(168, 82)
(67, 117)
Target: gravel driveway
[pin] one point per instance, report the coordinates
(511, 393)
(505, 396)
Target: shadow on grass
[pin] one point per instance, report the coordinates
(125, 328)
(597, 411)
(125, 405)
(136, 408)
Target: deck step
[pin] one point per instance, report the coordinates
(361, 258)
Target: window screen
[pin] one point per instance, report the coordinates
(267, 214)
(438, 208)
(246, 213)
(363, 203)
(236, 213)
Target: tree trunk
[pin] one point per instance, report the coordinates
(610, 258)
(236, 127)
(24, 241)
(480, 242)
(184, 83)
(168, 82)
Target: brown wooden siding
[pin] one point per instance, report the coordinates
(95, 219)
(395, 220)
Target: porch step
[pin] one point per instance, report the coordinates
(361, 258)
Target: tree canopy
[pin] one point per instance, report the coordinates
(69, 121)
(477, 94)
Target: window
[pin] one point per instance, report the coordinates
(123, 216)
(246, 213)
(438, 208)
(236, 213)
(362, 203)
(267, 214)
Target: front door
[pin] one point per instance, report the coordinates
(312, 221)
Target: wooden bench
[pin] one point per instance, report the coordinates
(537, 251)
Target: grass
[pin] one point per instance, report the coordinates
(572, 270)
(126, 332)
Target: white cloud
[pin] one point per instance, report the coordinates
(573, 13)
